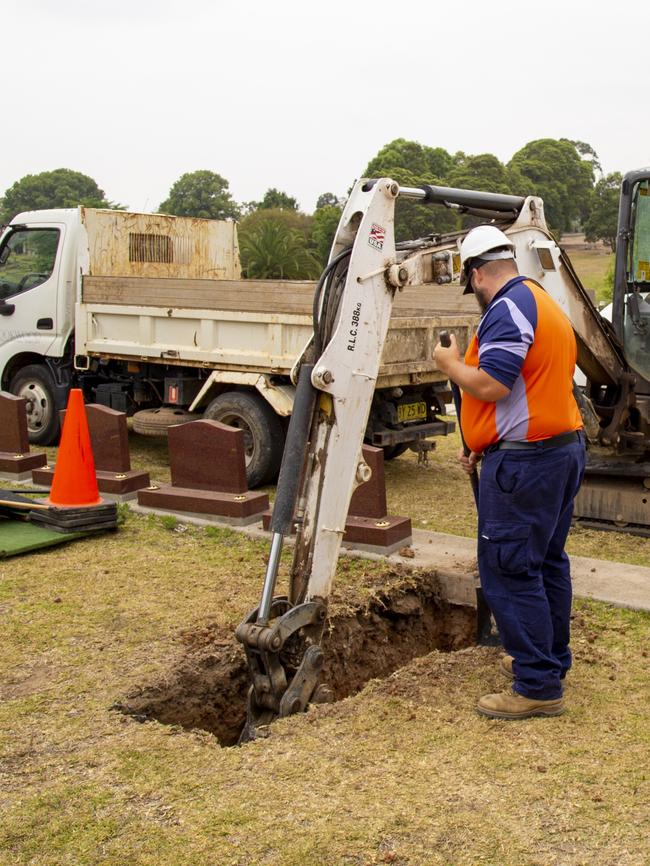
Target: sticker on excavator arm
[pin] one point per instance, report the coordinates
(377, 236)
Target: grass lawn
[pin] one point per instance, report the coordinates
(595, 269)
(402, 772)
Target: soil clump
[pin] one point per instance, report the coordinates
(206, 687)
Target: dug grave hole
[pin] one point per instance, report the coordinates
(207, 685)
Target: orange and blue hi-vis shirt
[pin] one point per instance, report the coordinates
(524, 341)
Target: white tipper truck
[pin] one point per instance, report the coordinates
(148, 314)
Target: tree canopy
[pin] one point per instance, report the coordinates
(201, 194)
(292, 219)
(602, 222)
(52, 189)
(555, 171)
(275, 198)
(327, 198)
(412, 164)
(561, 171)
(482, 172)
(430, 164)
(326, 220)
(270, 249)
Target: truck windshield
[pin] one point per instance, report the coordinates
(636, 321)
(27, 259)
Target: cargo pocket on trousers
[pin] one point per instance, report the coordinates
(506, 546)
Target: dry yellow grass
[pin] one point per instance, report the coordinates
(594, 269)
(404, 772)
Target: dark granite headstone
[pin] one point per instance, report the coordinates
(369, 500)
(109, 438)
(207, 455)
(16, 462)
(368, 525)
(208, 470)
(13, 424)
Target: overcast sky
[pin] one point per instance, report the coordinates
(300, 95)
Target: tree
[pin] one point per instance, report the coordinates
(52, 189)
(602, 223)
(292, 219)
(327, 198)
(326, 220)
(430, 164)
(484, 172)
(201, 194)
(412, 164)
(272, 250)
(275, 198)
(586, 150)
(555, 171)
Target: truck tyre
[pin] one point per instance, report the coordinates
(156, 422)
(35, 383)
(263, 432)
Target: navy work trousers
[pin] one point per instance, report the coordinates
(525, 508)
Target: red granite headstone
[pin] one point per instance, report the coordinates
(369, 499)
(208, 470)
(368, 524)
(109, 439)
(207, 455)
(16, 462)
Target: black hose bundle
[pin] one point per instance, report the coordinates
(326, 303)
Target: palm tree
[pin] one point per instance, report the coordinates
(271, 250)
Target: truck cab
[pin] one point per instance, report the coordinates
(38, 277)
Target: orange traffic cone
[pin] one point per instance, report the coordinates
(75, 483)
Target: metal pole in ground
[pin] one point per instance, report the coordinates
(486, 630)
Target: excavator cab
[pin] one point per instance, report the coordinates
(631, 308)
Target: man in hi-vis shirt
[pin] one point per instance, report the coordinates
(519, 414)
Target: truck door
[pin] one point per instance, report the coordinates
(29, 266)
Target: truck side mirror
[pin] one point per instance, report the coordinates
(4, 254)
(6, 309)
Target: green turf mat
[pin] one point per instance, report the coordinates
(18, 536)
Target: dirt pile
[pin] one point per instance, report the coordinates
(206, 687)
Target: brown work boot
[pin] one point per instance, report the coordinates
(510, 705)
(505, 666)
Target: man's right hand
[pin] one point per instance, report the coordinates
(468, 462)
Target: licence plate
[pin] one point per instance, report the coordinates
(412, 412)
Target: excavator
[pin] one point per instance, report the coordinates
(335, 376)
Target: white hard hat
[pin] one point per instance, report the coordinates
(487, 243)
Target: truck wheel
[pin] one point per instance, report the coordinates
(263, 433)
(156, 422)
(35, 383)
